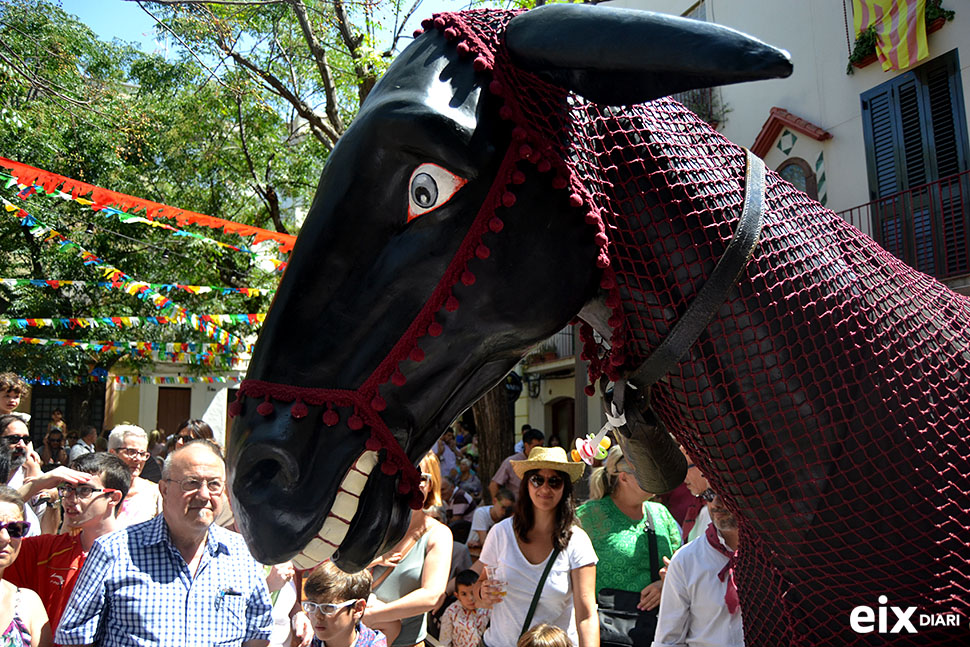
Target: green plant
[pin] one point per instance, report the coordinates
(865, 46)
(934, 10)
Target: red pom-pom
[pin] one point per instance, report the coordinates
(417, 500)
(463, 49)
(373, 443)
(559, 182)
(265, 408)
(235, 408)
(613, 300)
(435, 329)
(614, 321)
(602, 261)
(416, 354)
(481, 64)
(398, 378)
(519, 133)
(592, 218)
(439, 23)
(427, 23)
(496, 224)
(298, 410)
(388, 468)
(451, 304)
(505, 113)
(575, 200)
(451, 33)
(467, 278)
(355, 422)
(518, 177)
(417, 32)
(496, 88)
(617, 359)
(378, 403)
(544, 166)
(607, 282)
(330, 418)
(601, 239)
(508, 199)
(403, 487)
(482, 252)
(590, 390)
(525, 150)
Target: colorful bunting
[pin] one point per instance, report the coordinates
(119, 322)
(102, 198)
(160, 287)
(126, 380)
(118, 278)
(173, 352)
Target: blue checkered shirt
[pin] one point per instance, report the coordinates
(135, 589)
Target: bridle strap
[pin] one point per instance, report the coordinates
(715, 291)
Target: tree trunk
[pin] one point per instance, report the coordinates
(494, 426)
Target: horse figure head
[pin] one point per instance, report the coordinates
(444, 241)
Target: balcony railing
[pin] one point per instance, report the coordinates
(926, 226)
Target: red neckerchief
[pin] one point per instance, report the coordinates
(693, 510)
(731, 595)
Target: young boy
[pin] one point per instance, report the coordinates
(12, 389)
(462, 624)
(335, 602)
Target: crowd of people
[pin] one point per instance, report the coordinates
(130, 541)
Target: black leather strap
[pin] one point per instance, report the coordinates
(538, 593)
(715, 291)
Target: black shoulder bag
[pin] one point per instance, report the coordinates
(621, 623)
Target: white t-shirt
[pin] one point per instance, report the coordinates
(692, 607)
(556, 601)
(700, 524)
(482, 519)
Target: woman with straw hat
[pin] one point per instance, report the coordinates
(537, 566)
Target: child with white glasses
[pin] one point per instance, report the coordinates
(335, 603)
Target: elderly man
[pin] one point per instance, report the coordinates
(176, 579)
(699, 604)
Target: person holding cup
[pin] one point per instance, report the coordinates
(538, 566)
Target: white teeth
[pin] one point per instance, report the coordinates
(337, 523)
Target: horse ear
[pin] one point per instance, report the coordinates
(624, 56)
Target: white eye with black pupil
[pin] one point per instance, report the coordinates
(424, 191)
(430, 187)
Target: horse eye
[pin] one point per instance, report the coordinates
(430, 187)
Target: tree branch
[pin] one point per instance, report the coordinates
(404, 21)
(320, 58)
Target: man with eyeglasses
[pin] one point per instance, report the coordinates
(49, 564)
(177, 579)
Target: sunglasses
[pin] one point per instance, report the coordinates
(325, 609)
(16, 529)
(538, 480)
(425, 477)
(13, 440)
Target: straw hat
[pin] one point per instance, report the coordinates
(548, 458)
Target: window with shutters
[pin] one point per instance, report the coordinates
(916, 147)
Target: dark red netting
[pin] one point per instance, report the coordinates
(827, 401)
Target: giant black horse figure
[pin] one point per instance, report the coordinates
(487, 194)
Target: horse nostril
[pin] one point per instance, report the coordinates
(266, 470)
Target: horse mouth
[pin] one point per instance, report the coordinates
(337, 522)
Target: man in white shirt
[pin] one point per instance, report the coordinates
(487, 516)
(699, 602)
(447, 451)
(85, 444)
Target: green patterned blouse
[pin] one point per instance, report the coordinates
(621, 543)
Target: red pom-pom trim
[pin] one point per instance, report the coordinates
(330, 417)
(403, 487)
(378, 403)
(559, 182)
(355, 422)
(613, 300)
(451, 33)
(602, 261)
(435, 329)
(601, 239)
(518, 177)
(575, 200)
(265, 408)
(544, 166)
(416, 354)
(482, 252)
(427, 23)
(607, 282)
(398, 378)
(505, 113)
(496, 88)
(496, 224)
(439, 23)
(508, 199)
(417, 32)
(590, 390)
(463, 49)
(467, 278)
(525, 150)
(373, 444)
(298, 410)
(519, 133)
(451, 304)
(235, 408)
(481, 64)
(388, 468)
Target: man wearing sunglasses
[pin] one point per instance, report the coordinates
(16, 436)
(177, 579)
(90, 499)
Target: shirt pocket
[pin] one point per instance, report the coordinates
(230, 625)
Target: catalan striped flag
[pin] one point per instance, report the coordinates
(900, 30)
